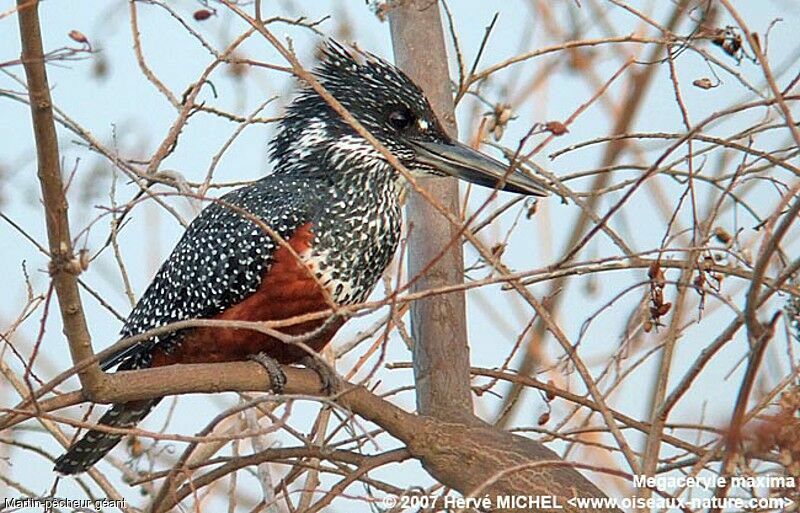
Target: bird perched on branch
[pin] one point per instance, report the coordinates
(316, 233)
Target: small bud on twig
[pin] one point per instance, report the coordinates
(78, 37)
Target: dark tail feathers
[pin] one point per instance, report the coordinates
(95, 444)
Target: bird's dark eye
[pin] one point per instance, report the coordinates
(400, 118)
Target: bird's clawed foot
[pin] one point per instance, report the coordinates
(328, 377)
(277, 378)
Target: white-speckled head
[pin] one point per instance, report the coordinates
(315, 139)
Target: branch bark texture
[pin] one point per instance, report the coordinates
(439, 324)
(53, 194)
(463, 456)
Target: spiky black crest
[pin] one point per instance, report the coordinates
(342, 69)
(373, 91)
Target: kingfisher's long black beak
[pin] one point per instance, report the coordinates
(459, 160)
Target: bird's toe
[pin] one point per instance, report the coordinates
(327, 375)
(277, 377)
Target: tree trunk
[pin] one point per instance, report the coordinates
(438, 323)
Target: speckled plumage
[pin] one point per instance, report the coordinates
(326, 175)
(332, 197)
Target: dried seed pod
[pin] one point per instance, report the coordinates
(500, 117)
(78, 37)
(556, 128)
(84, 258)
(703, 83)
(663, 309)
(722, 235)
(656, 275)
(202, 14)
(544, 418)
(730, 42)
(654, 269)
(503, 113)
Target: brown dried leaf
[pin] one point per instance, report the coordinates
(656, 275)
(654, 269)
